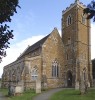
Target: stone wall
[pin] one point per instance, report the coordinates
(30, 64)
(76, 40)
(53, 50)
(12, 73)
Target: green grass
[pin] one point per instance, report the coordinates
(65, 94)
(71, 94)
(4, 91)
(28, 95)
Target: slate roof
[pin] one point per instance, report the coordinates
(33, 47)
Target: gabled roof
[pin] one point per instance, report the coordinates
(33, 47)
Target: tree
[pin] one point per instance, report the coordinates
(7, 9)
(90, 10)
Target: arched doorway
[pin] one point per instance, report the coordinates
(69, 79)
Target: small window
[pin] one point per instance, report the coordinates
(69, 20)
(69, 40)
(67, 57)
(83, 19)
(34, 73)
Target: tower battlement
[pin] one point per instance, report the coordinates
(77, 2)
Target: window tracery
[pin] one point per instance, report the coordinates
(69, 20)
(55, 69)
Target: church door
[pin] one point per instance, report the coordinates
(69, 79)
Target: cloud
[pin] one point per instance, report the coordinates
(16, 49)
(92, 40)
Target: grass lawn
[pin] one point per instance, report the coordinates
(28, 95)
(71, 94)
(4, 91)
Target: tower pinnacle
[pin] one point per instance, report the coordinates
(76, 0)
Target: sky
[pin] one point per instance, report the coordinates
(33, 21)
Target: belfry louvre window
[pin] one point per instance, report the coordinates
(55, 69)
(83, 19)
(69, 20)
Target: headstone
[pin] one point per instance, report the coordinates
(11, 90)
(18, 89)
(38, 86)
(83, 82)
(45, 85)
(77, 86)
(88, 84)
(0, 84)
(82, 87)
(15, 89)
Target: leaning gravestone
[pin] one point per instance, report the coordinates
(38, 86)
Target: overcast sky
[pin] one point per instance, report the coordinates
(34, 20)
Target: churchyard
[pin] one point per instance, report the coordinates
(67, 94)
(27, 95)
(72, 94)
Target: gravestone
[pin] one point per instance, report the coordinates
(82, 86)
(77, 85)
(83, 82)
(16, 89)
(38, 86)
(0, 84)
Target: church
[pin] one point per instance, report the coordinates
(56, 61)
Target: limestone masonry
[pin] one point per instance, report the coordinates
(55, 61)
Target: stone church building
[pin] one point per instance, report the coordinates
(56, 61)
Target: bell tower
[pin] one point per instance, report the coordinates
(77, 47)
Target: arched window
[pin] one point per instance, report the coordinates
(34, 73)
(69, 20)
(55, 69)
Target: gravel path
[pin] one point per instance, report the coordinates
(2, 97)
(47, 94)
